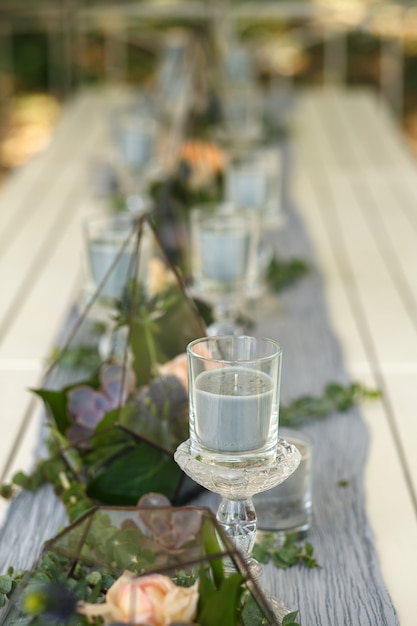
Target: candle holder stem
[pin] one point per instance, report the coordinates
(224, 319)
(238, 519)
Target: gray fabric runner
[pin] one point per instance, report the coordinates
(347, 588)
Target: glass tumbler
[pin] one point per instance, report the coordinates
(234, 385)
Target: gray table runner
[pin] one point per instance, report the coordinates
(347, 588)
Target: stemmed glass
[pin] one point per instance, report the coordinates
(255, 181)
(135, 139)
(234, 449)
(110, 248)
(224, 246)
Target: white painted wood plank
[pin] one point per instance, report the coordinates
(388, 322)
(28, 180)
(37, 322)
(321, 195)
(44, 226)
(15, 401)
(358, 132)
(392, 519)
(49, 278)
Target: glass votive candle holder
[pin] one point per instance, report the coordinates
(110, 253)
(288, 508)
(234, 385)
(224, 245)
(135, 136)
(256, 181)
(247, 185)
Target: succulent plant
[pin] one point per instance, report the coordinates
(87, 406)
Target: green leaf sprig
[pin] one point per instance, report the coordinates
(289, 554)
(53, 470)
(8, 584)
(280, 274)
(336, 398)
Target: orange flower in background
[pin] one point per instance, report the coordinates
(205, 161)
(152, 600)
(203, 154)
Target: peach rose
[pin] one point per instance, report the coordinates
(176, 367)
(160, 276)
(153, 600)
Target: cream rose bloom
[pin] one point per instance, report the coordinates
(153, 600)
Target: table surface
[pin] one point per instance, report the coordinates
(354, 185)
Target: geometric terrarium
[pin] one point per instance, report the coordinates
(116, 394)
(142, 565)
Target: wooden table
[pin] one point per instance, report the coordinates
(354, 184)
(42, 208)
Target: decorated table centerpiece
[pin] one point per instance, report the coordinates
(149, 565)
(118, 410)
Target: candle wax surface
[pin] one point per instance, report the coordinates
(233, 409)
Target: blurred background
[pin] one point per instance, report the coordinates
(50, 49)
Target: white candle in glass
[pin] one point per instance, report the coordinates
(224, 255)
(102, 254)
(224, 246)
(136, 145)
(248, 187)
(233, 409)
(111, 252)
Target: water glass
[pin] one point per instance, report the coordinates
(234, 385)
(110, 245)
(224, 243)
(287, 508)
(135, 135)
(242, 117)
(247, 185)
(256, 181)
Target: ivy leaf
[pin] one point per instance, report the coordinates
(287, 555)
(336, 397)
(280, 274)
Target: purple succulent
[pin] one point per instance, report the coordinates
(87, 406)
(171, 528)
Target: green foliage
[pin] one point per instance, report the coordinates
(78, 356)
(8, 584)
(219, 594)
(336, 397)
(65, 576)
(161, 326)
(56, 404)
(289, 554)
(289, 619)
(280, 274)
(219, 604)
(139, 471)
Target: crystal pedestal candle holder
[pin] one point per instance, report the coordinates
(234, 448)
(224, 248)
(236, 485)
